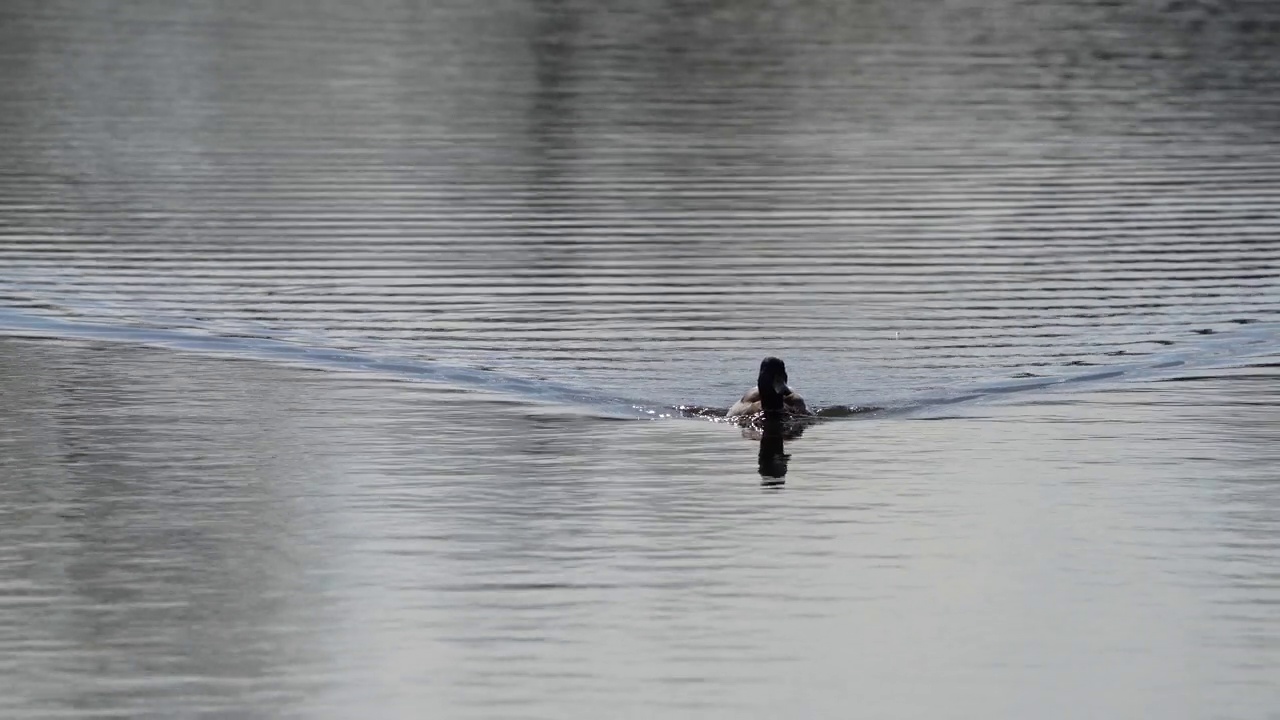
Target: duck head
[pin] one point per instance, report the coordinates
(772, 383)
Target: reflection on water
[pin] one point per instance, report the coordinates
(773, 434)
(220, 535)
(1038, 238)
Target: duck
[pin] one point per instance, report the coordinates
(771, 393)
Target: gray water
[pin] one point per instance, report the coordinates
(343, 346)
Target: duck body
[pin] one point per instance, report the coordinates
(751, 404)
(771, 393)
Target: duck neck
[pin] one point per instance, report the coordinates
(770, 399)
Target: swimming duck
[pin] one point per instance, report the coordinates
(770, 394)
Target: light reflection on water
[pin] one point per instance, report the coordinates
(1041, 235)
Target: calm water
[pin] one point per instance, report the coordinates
(328, 331)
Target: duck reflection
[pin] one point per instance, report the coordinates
(773, 429)
(773, 455)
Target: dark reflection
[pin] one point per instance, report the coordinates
(773, 456)
(772, 430)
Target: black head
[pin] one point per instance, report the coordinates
(772, 383)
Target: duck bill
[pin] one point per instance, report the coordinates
(780, 387)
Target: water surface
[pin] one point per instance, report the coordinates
(324, 328)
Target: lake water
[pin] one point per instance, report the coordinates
(342, 347)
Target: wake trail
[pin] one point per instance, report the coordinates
(1217, 350)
